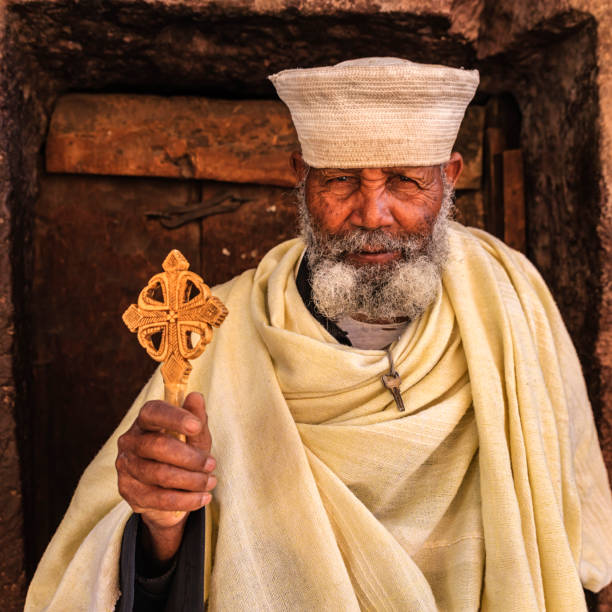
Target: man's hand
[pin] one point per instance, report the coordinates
(160, 476)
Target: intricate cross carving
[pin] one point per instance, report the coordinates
(174, 306)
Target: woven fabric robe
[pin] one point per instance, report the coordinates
(488, 491)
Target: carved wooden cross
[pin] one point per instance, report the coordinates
(175, 306)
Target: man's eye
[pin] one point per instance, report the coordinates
(343, 184)
(405, 183)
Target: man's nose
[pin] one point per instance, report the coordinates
(372, 209)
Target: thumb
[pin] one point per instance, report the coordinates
(194, 403)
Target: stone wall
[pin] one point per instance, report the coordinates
(553, 57)
(12, 560)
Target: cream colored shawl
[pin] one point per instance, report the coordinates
(490, 490)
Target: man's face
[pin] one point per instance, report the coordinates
(377, 238)
(401, 201)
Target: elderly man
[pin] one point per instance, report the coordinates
(398, 414)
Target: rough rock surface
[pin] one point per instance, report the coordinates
(553, 56)
(12, 562)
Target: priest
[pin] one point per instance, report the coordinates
(394, 419)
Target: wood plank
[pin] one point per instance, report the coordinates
(236, 241)
(245, 141)
(469, 144)
(239, 141)
(514, 199)
(470, 208)
(495, 144)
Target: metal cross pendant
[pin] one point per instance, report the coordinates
(392, 381)
(175, 306)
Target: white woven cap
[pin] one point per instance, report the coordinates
(376, 112)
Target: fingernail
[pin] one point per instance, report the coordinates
(192, 425)
(209, 466)
(206, 498)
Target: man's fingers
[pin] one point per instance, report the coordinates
(158, 473)
(194, 403)
(166, 449)
(166, 476)
(143, 497)
(157, 415)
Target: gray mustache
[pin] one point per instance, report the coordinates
(377, 240)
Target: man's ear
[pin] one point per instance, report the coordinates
(299, 166)
(453, 167)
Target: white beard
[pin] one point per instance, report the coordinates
(399, 290)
